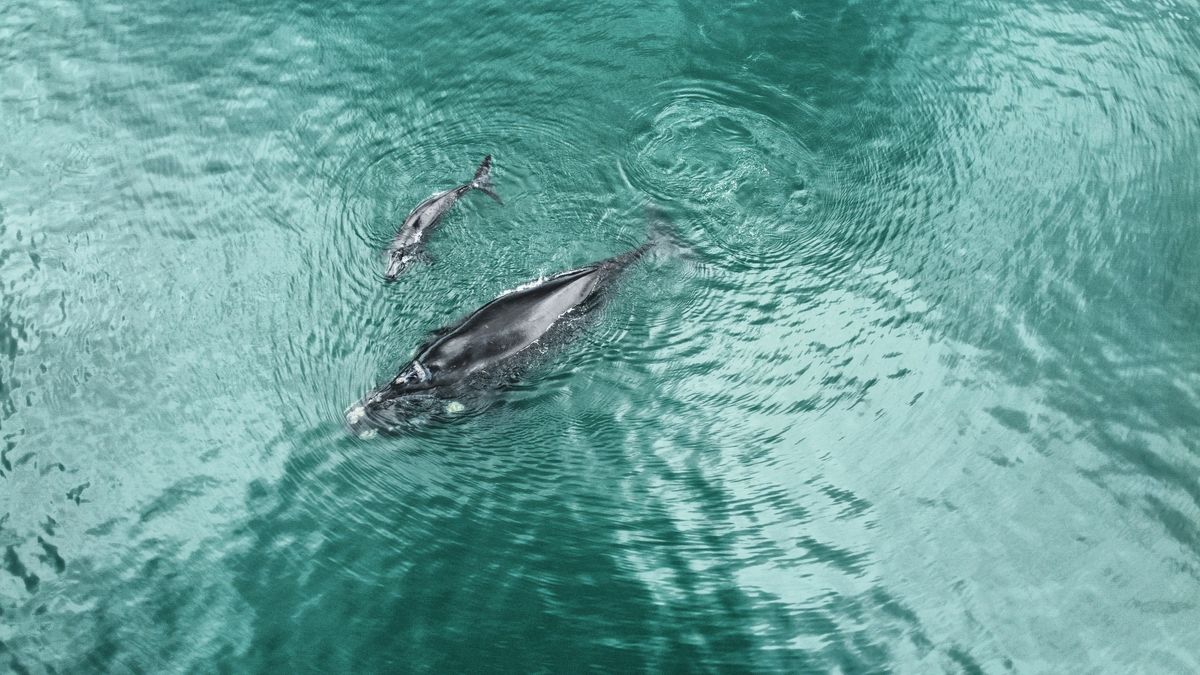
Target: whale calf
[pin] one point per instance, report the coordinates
(488, 348)
(409, 241)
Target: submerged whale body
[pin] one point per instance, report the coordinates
(409, 242)
(488, 348)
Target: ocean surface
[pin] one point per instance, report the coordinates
(917, 389)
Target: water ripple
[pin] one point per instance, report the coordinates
(928, 265)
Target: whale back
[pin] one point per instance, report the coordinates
(509, 324)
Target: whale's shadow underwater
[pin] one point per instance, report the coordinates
(463, 365)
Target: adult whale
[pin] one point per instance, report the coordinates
(409, 241)
(490, 347)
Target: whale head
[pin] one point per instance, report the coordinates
(397, 261)
(389, 411)
(407, 400)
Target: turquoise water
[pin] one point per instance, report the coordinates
(919, 392)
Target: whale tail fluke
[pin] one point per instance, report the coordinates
(658, 222)
(662, 234)
(483, 179)
(661, 230)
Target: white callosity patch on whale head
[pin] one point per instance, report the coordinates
(368, 434)
(454, 407)
(355, 414)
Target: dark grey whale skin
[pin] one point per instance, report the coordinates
(490, 347)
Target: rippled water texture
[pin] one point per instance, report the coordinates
(918, 390)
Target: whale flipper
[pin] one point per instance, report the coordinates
(483, 180)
